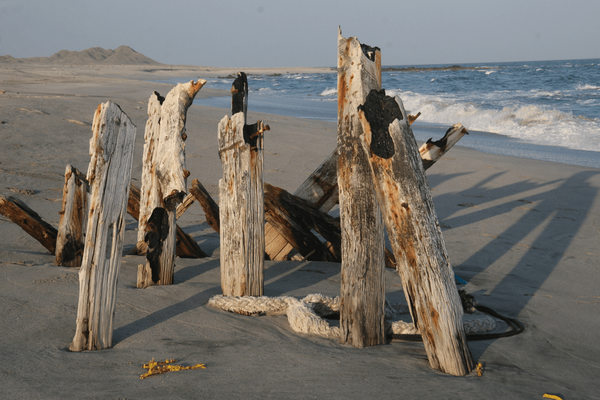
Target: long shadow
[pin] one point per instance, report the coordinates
(554, 216)
(160, 316)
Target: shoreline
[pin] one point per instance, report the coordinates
(523, 233)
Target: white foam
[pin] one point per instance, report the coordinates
(530, 123)
(328, 92)
(587, 87)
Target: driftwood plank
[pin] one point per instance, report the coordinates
(414, 232)
(109, 172)
(363, 260)
(164, 175)
(19, 213)
(70, 240)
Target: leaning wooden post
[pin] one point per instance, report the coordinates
(362, 291)
(70, 240)
(164, 177)
(241, 195)
(109, 172)
(414, 232)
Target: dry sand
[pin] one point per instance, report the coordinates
(524, 234)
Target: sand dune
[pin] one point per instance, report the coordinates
(122, 55)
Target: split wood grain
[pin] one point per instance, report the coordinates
(363, 259)
(109, 173)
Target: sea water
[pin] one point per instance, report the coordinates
(548, 110)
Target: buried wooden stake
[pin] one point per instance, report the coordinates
(70, 240)
(414, 232)
(109, 172)
(363, 288)
(164, 177)
(241, 195)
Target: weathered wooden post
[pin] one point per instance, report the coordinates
(414, 232)
(431, 151)
(363, 287)
(109, 172)
(241, 195)
(70, 240)
(164, 177)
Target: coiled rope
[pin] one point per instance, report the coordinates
(306, 316)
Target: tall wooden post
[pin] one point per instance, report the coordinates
(109, 173)
(70, 240)
(363, 288)
(414, 232)
(241, 195)
(164, 177)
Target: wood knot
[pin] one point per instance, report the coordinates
(186, 173)
(184, 137)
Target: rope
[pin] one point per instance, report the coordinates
(305, 315)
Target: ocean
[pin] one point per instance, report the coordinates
(547, 110)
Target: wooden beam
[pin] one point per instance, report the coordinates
(70, 239)
(109, 172)
(19, 213)
(295, 218)
(211, 209)
(363, 259)
(414, 232)
(432, 151)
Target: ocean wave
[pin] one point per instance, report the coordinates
(587, 87)
(531, 123)
(328, 92)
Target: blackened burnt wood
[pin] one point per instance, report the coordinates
(363, 260)
(414, 232)
(186, 246)
(211, 209)
(19, 213)
(294, 218)
(70, 240)
(109, 173)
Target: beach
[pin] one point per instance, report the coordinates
(523, 233)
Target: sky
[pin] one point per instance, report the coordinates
(303, 33)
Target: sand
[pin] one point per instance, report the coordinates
(525, 234)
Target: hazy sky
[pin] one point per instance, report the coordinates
(280, 33)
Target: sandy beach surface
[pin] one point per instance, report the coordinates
(524, 234)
